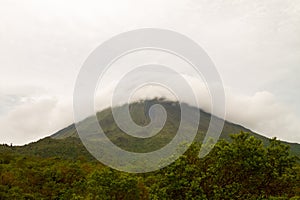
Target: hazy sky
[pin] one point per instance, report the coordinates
(255, 45)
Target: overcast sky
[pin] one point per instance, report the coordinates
(255, 46)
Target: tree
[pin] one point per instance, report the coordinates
(246, 169)
(180, 180)
(111, 184)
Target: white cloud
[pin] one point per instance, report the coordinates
(263, 113)
(34, 118)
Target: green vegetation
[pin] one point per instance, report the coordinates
(138, 111)
(240, 168)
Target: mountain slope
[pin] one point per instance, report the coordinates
(139, 110)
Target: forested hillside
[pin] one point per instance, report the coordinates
(242, 168)
(139, 113)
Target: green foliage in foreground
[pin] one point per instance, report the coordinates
(241, 169)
